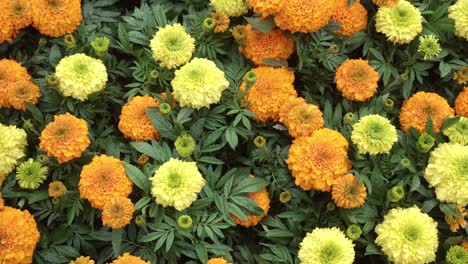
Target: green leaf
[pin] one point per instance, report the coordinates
(146, 149)
(161, 124)
(449, 209)
(428, 205)
(235, 210)
(211, 160)
(202, 253)
(262, 25)
(444, 69)
(231, 137)
(137, 177)
(116, 241)
(250, 184)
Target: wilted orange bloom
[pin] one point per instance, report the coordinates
(217, 261)
(461, 103)
(65, 138)
(461, 75)
(317, 161)
(419, 107)
(56, 189)
(56, 18)
(117, 212)
(266, 7)
(352, 18)
(18, 93)
(385, 3)
(82, 260)
(348, 193)
(271, 45)
(129, 259)
(221, 22)
(134, 123)
(301, 118)
(10, 72)
(19, 12)
(459, 222)
(263, 201)
(356, 80)
(239, 33)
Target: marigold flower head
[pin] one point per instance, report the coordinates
(326, 246)
(272, 88)
(177, 183)
(80, 75)
(10, 73)
(271, 45)
(458, 13)
(374, 134)
(217, 261)
(400, 23)
(65, 138)
(18, 236)
(419, 107)
(385, 3)
(199, 83)
(461, 75)
(19, 12)
(266, 7)
(458, 133)
(305, 15)
(356, 80)
(447, 170)
(461, 103)
(317, 161)
(429, 46)
(56, 189)
(221, 22)
(82, 260)
(352, 18)
(13, 142)
(134, 123)
(348, 193)
(456, 255)
(18, 93)
(103, 179)
(117, 212)
(185, 145)
(7, 30)
(31, 174)
(231, 8)
(458, 222)
(262, 199)
(129, 259)
(408, 236)
(172, 46)
(301, 118)
(56, 18)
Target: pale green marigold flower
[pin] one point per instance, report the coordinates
(458, 133)
(457, 255)
(185, 145)
(31, 174)
(408, 236)
(429, 46)
(199, 83)
(231, 8)
(80, 75)
(459, 13)
(12, 147)
(400, 23)
(172, 46)
(447, 170)
(326, 246)
(374, 134)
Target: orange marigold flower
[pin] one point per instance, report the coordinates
(461, 75)
(7, 30)
(19, 12)
(356, 80)
(18, 236)
(385, 3)
(352, 18)
(221, 22)
(266, 7)
(117, 212)
(2, 203)
(458, 222)
(56, 18)
(217, 261)
(271, 90)
(103, 179)
(348, 193)
(82, 260)
(305, 15)
(18, 93)
(10, 72)
(316, 161)
(461, 103)
(65, 138)
(129, 259)
(134, 123)
(56, 189)
(271, 45)
(419, 107)
(301, 118)
(263, 201)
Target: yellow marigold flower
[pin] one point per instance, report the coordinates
(348, 193)
(19, 12)
(80, 75)
(458, 13)
(301, 118)
(65, 138)
(82, 260)
(352, 18)
(199, 83)
(326, 246)
(446, 171)
(129, 259)
(374, 134)
(134, 123)
(18, 236)
(271, 90)
(56, 189)
(266, 7)
(10, 72)
(13, 143)
(221, 22)
(18, 93)
(458, 133)
(262, 199)
(429, 46)
(217, 261)
(419, 107)
(56, 18)
(231, 8)
(458, 222)
(408, 236)
(103, 179)
(305, 15)
(317, 161)
(461, 103)
(400, 23)
(356, 80)
(7, 30)
(172, 46)
(272, 45)
(31, 174)
(117, 212)
(385, 3)
(239, 33)
(461, 75)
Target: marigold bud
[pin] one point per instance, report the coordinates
(425, 143)
(70, 41)
(354, 231)
(285, 197)
(349, 118)
(184, 222)
(396, 193)
(165, 108)
(259, 141)
(208, 24)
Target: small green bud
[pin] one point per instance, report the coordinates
(331, 206)
(457, 255)
(396, 193)
(100, 46)
(425, 143)
(56, 201)
(349, 118)
(389, 104)
(184, 222)
(334, 49)
(155, 74)
(285, 197)
(28, 125)
(165, 108)
(51, 80)
(42, 158)
(42, 42)
(354, 232)
(259, 141)
(405, 163)
(185, 145)
(140, 220)
(208, 24)
(250, 78)
(70, 41)
(403, 77)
